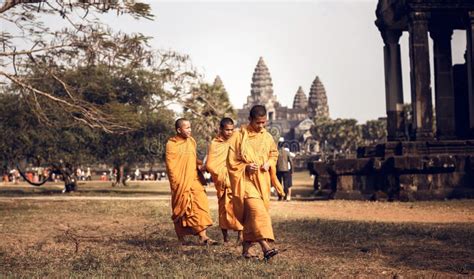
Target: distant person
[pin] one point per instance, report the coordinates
(251, 161)
(189, 201)
(216, 165)
(137, 174)
(88, 174)
(284, 171)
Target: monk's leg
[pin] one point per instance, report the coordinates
(203, 236)
(225, 235)
(264, 245)
(246, 249)
(240, 237)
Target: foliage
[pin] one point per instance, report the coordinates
(49, 52)
(205, 107)
(345, 135)
(374, 131)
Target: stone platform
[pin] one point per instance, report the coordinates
(419, 170)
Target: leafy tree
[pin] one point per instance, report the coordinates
(338, 135)
(205, 107)
(26, 41)
(374, 131)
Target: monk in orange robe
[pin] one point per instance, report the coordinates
(251, 163)
(216, 165)
(188, 197)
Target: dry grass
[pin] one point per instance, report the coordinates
(75, 235)
(322, 239)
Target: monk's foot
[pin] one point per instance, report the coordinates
(209, 242)
(249, 256)
(267, 255)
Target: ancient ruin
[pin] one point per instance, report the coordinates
(293, 124)
(418, 161)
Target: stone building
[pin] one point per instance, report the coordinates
(293, 124)
(425, 162)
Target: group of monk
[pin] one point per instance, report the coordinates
(242, 166)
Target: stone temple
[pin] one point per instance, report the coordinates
(429, 155)
(293, 124)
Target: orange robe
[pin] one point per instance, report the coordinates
(251, 192)
(217, 166)
(188, 197)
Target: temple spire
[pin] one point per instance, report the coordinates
(300, 101)
(218, 82)
(317, 102)
(261, 87)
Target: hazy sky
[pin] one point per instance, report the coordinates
(335, 40)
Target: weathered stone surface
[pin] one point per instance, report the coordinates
(318, 103)
(300, 101)
(261, 92)
(291, 123)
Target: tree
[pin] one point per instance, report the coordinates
(205, 107)
(85, 41)
(374, 131)
(338, 135)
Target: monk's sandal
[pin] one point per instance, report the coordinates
(270, 254)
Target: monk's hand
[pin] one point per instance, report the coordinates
(265, 167)
(202, 167)
(251, 168)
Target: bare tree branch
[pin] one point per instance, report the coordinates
(26, 52)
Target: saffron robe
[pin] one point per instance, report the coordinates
(251, 191)
(190, 206)
(216, 165)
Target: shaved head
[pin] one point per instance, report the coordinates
(179, 122)
(257, 111)
(183, 127)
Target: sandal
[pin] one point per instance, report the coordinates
(270, 254)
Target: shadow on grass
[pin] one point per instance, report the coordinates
(437, 247)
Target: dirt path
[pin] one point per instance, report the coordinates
(91, 198)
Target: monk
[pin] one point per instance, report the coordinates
(188, 197)
(251, 163)
(216, 165)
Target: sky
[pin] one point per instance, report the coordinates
(336, 40)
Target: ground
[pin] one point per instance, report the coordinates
(127, 231)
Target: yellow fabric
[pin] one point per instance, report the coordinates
(257, 222)
(252, 147)
(188, 198)
(216, 164)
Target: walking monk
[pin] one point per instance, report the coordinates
(251, 162)
(188, 197)
(217, 166)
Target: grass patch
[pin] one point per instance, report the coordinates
(136, 238)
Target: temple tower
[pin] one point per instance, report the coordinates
(261, 92)
(300, 101)
(318, 101)
(218, 82)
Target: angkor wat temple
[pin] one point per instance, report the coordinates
(293, 124)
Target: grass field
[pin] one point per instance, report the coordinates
(60, 237)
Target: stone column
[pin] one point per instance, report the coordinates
(393, 85)
(444, 87)
(470, 69)
(420, 76)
